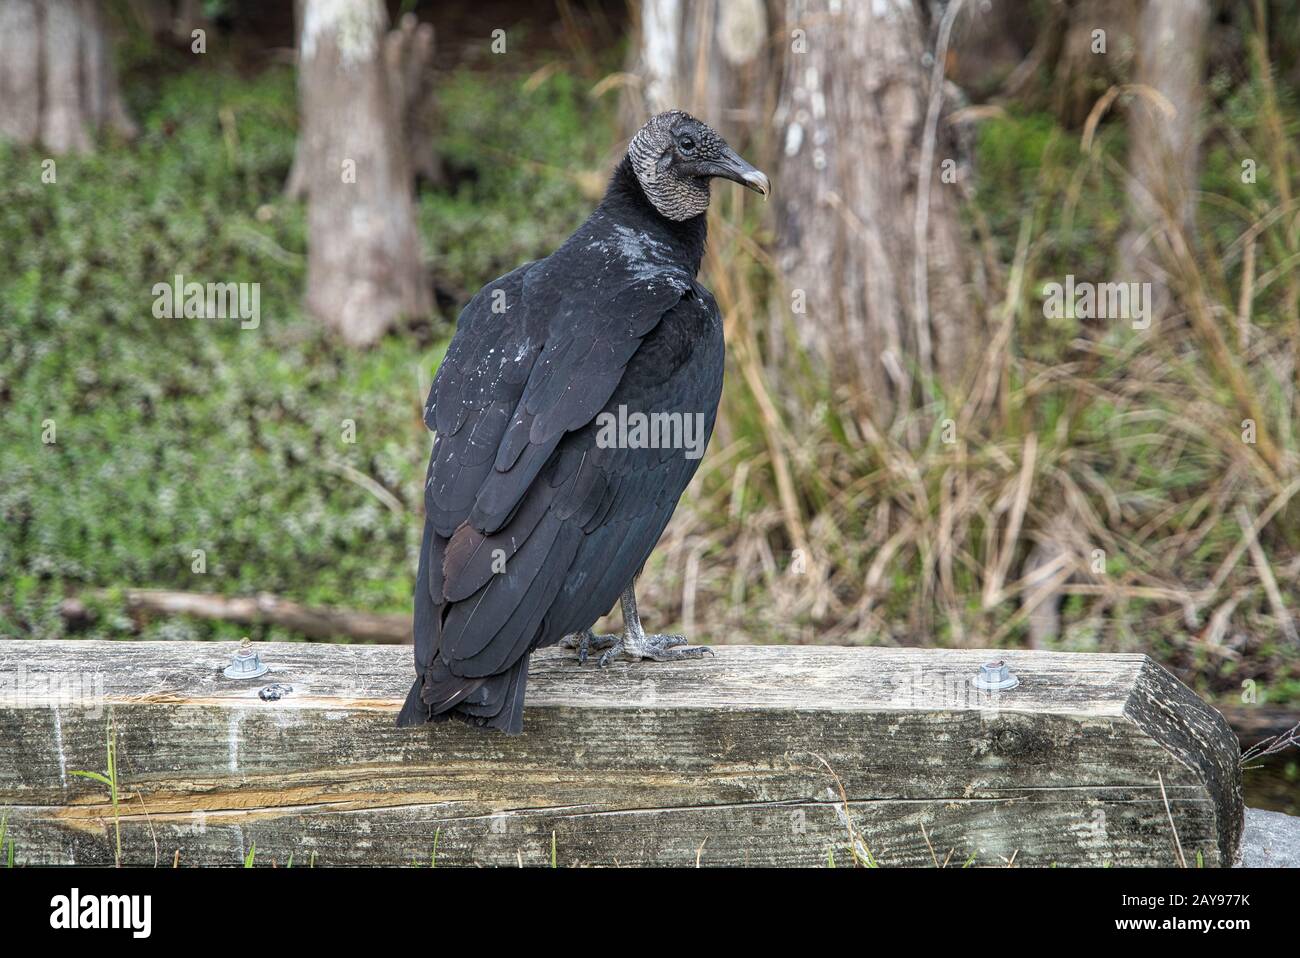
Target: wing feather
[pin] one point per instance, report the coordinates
(516, 474)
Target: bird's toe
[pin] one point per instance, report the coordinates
(609, 656)
(586, 642)
(658, 648)
(669, 648)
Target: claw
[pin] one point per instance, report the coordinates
(584, 642)
(660, 648)
(633, 644)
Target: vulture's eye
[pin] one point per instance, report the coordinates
(687, 144)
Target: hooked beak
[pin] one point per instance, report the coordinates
(732, 167)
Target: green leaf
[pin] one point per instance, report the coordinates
(96, 776)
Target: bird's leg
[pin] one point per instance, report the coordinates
(634, 644)
(585, 641)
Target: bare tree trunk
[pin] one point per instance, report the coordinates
(295, 187)
(20, 71)
(408, 56)
(1164, 130)
(991, 44)
(851, 202)
(363, 265)
(1096, 53)
(58, 86)
(712, 59)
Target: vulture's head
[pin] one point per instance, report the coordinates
(675, 155)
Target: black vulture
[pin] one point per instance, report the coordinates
(570, 413)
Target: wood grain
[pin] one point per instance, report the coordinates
(738, 759)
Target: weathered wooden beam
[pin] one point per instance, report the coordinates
(762, 755)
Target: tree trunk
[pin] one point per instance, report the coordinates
(712, 59)
(295, 186)
(1096, 53)
(1164, 134)
(58, 86)
(408, 56)
(873, 304)
(363, 265)
(992, 45)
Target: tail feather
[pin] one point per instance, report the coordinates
(496, 701)
(488, 701)
(414, 712)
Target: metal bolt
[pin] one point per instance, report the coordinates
(246, 663)
(995, 677)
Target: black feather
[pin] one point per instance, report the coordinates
(613, 318)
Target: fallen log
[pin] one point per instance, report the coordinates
(314, 622)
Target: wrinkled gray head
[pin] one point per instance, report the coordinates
(674, 157)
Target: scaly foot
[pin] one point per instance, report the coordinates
(633, 644)
(584, 642)
(636, 645)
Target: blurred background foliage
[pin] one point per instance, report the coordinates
(176, 435)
